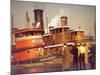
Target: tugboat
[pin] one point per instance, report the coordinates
(29, 41)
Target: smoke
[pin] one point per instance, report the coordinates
(55, 21)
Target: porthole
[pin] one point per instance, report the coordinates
(27, 51)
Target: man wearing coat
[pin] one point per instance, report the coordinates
(67, 58)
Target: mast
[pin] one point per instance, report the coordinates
(47, 24)
(27, 19)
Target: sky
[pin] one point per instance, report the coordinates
(83, 16)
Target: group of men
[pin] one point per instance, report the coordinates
(82, 54)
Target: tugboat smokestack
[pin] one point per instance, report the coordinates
(38, 14)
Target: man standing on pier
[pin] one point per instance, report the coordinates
(67, 58)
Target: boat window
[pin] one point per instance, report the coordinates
(57, 30)
(25, 34)
(16, 35)
(28, 33)
(37, 33)
(20, 35)
(32, 33)
(27, 51)
(82, 32)
(54, 31)
(65, 30)
(60, 30)
(75, 33)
